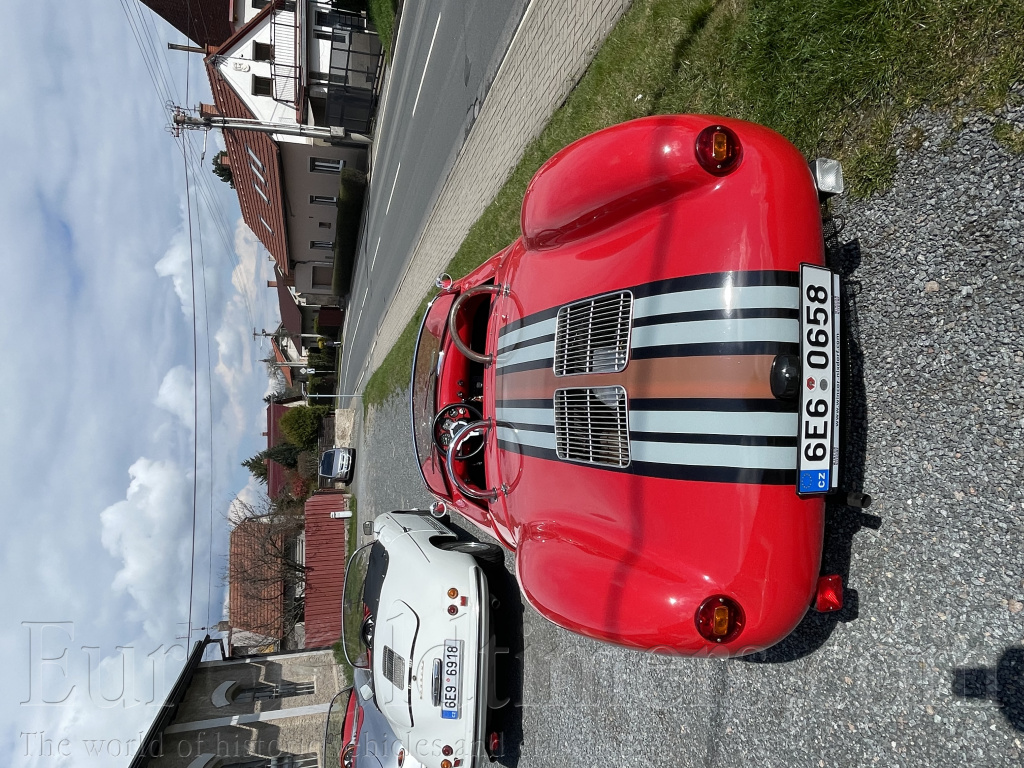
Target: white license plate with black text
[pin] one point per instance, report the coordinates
(818, 461)
(451, 691)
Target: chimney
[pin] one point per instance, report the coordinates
(208, 110)
(271, 283)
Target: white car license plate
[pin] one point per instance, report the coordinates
(451, 691)
(818, 462)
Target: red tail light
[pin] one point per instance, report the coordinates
(718, 150)
(719, 619)
(829, 596)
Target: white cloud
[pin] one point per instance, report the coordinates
(176, 264)
(149, 532)
(177, 395)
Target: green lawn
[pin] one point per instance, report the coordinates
(834, 76)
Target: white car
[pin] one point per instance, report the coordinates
(417, 612)
(337, 464)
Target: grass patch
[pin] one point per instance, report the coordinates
(382, 14)
(1011, 137)
(833, 76)
(351, 527)
(351, 622)
(351, 197)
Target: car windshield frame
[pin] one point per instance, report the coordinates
(423, 397)
(371, 580)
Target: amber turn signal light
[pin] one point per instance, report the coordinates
(718, 150)
(453, 593)
(719, 619)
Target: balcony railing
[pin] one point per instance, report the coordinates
(285, 67)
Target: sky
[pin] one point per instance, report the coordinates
(106, 464)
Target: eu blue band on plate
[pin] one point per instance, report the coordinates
(814, 481)
(449, 714)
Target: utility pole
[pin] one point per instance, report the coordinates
(332, 134)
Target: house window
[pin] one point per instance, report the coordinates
(261, 193)
(325, 165)
(260, 4)
(321, 245)
(262, 52)
(262, 86)
(323, 199)
(322, 277)
(254, 157)
(325, 225)
(267, 692)
(332, 19)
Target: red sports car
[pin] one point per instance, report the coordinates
(640, 395)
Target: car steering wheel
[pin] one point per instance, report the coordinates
(447, 423)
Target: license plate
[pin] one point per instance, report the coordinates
(818, 462)
(451, 691)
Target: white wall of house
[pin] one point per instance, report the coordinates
(311, 181)
(269, 97)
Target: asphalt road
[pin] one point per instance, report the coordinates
(447, 55)
(926, 666)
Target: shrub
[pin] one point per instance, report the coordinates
(301, 424)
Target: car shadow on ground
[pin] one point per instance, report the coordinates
(841, 522)
(505, 707)
(1003, 685)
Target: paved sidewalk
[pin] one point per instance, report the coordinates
(551, 50)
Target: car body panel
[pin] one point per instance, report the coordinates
(706, 502)
(414, 623)
(376, 745)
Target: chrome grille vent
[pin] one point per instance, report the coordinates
(394, 668)
(591, 425)
(593, 336)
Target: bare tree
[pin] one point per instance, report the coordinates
(266, 573)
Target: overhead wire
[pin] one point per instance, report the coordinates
(197, 184)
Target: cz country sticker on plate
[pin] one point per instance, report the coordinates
(818, 459)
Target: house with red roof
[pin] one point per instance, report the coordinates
(290, 64)
(204, 22)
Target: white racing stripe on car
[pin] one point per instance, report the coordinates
(755, 424)
(544, 417)
(527, 332)
(712, 331)
(544, 350)
(527, 437)
(705, 299)
(711, 455)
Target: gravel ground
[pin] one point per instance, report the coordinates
(926, 666)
